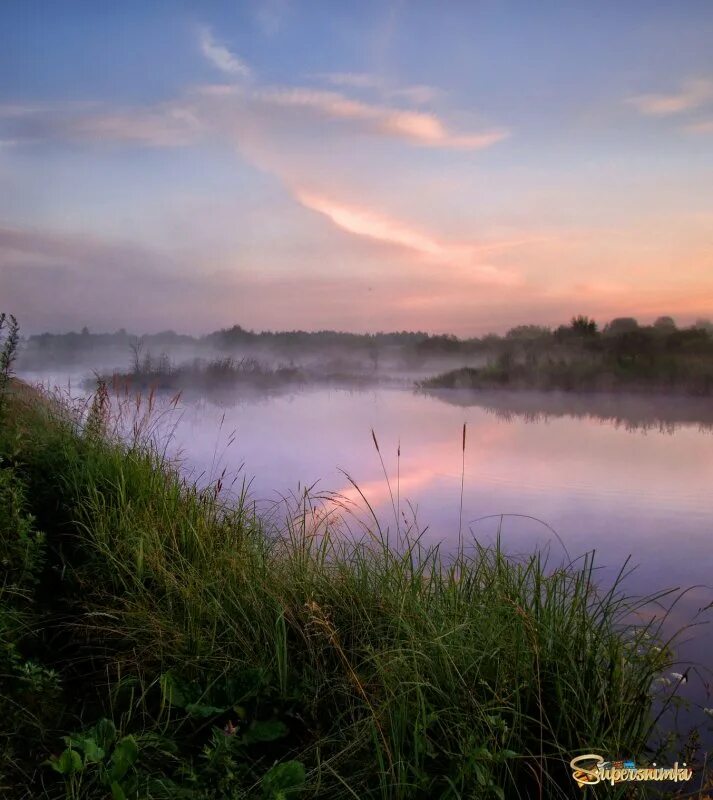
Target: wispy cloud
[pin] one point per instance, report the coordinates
(38, 244)
(172, 126)
(419, 94)
(381, 228)
(704, 127)
(693, 94)
(165, 125)
(220, 56)
(225, 109)
(418, 127)
(364, 222)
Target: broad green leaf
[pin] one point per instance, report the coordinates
(93, 754)
(117, 793)
(67, 763)
(73, 742)
(124, 756)
(105, 733)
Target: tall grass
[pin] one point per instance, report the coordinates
(9, 340)
(239, 656)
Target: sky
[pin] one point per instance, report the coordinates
(456, 167)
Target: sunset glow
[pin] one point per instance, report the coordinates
(399, 167)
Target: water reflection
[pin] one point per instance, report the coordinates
(632, 412)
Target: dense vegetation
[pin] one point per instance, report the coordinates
(158, 642)
(216, 373)
(623, 357)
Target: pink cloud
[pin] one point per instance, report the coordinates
(703, 127)
(225, 109)
(418, 94)
(415, 126)
(169, 124)
(378, 227)
(363, 222)
(692, 94)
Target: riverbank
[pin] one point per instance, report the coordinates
(583, 376)
(236, 658)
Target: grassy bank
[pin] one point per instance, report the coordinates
(157, 642)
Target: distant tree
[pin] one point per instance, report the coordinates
(690, 340)
(704, 324)
(445, 343)
(136, 346)
(665, 324)
(528, 332)
(583, 326)
(621, 325)
(579, 328)
(85, 331)
(236, 335)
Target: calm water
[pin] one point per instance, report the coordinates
(626, 477)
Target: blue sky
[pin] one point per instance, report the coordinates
(451, 167)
